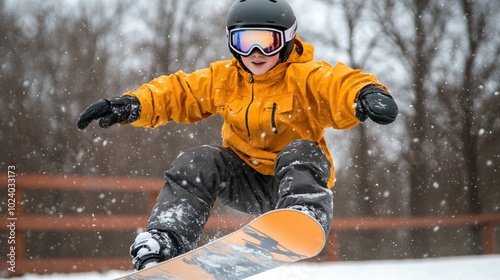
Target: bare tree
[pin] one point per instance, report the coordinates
(63, 59)
(11, 84)
(429, 38)
(471, 98)
(474, 103)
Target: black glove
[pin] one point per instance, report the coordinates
(377, 104)
(111, 111)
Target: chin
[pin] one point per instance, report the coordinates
(259, 72)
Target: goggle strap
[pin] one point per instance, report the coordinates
(290, 32)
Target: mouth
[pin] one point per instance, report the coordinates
(258, 63)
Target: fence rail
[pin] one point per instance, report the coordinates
(89, 222)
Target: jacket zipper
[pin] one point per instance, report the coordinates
(248, 109)
(273, 122)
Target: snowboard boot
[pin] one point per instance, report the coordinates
(310, 212)
(322, 219)
(305, 210)
(151, 248)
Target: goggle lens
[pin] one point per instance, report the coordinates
(243, 41)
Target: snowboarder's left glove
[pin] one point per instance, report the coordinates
(377, 104)
(111, 111)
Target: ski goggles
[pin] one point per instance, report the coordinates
(269, 41)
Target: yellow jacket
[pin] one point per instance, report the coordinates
(297, 99)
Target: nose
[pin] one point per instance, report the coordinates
(256, 53)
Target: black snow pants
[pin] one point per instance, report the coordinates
(199, 175)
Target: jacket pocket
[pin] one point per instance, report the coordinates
(234, 114)
(278, 114)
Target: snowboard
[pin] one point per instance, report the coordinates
(271, 240)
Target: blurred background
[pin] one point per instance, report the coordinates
(439, 159)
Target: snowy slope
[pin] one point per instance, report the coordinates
(475, 267)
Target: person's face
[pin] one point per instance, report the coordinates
(258, 63)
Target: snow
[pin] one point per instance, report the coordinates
(483, 267)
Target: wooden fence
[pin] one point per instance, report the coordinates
(22, 224)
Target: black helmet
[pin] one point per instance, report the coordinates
(276, 14)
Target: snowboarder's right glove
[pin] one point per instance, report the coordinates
(151, 248)
(111, 111)
(377, 104)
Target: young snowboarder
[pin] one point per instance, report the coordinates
(276, 102)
